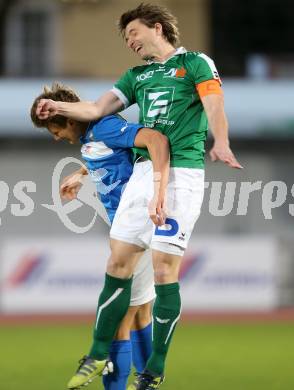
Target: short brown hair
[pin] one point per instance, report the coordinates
(57, 92)
(150, 14)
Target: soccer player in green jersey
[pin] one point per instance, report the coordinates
(179, 93)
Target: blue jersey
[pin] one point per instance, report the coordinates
(106, 151)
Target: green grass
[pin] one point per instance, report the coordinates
(202, 357)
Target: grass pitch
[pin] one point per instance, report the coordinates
(202, 357)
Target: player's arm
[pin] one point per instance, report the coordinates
(213, 102)
(107, 104)
(158, 148)
(72, 183)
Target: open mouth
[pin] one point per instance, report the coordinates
(138, 48)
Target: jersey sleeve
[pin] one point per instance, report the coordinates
(203, 69)
(116, 132)
(123, 89)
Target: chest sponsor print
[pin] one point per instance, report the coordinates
(157, 102)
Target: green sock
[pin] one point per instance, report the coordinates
(166, 313)
(113, 304)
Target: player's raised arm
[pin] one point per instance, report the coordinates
(158, 147)
(214, 108)
(83, 111)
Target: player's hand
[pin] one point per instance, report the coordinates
(222, 152)
(157, 209)
(46, 108)
(71, 185)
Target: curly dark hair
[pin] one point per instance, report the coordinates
(57, 92)
(149, 15)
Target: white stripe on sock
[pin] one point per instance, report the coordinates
(107, 303)
(172, 328)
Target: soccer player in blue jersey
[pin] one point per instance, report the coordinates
(105, 149)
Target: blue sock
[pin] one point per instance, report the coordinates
(141, 347)
(121, 356)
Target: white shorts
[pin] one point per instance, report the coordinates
(143, 290)
(132, 223)
(143, 281)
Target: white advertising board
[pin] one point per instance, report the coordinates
(230, 273)
(52, 275)
(62, 275)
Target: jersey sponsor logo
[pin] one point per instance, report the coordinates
(159, 121)
(175, 72)
(170, 228)
(97, 175)
(181, 73)
(157, 102)
(94, 150)
(145, 76)
(170, 73)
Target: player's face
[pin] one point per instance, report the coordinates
(141, 39)
(70, 133)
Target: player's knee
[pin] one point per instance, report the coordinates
(119, 267)
(166, 263)
(164, 273)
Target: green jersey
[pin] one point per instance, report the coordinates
(168, 101)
